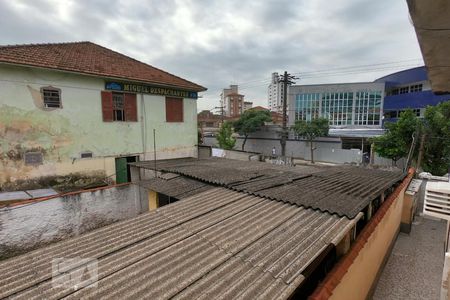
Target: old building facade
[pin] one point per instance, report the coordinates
(79, 107)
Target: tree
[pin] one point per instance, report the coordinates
(397, 140)
(311, 130)
(251, 121)
(224, 136)
(437, 146)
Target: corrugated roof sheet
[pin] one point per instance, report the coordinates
(178, 187)
(342, 190)
(217, 244)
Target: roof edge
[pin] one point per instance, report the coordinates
(325, 289)
(90, 74)
(199, 88)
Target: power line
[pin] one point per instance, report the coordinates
(244, 83)
(331, 74)
(368, 70)
(361, 66)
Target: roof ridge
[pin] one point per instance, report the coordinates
(141, 62)
(131, 69)
(44, 44)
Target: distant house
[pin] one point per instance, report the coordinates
(207, 119)
(277, 118)
(80, 107)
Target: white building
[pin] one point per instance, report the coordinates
(345, 105)
(82, 108)
(247, 105)
(275, 94)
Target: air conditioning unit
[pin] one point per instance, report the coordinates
(437, 200)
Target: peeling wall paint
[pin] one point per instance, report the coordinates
(63, 134)
(24, 228)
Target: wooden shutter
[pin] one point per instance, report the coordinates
(169, 116)
(107, 106)
(130, 108)
(174, 109)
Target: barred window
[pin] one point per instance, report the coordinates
(118, 107)
(51, 97)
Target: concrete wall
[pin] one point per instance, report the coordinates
(33, 225)
(62, 134)
(374, 247)
(236, 155)
(328, 150)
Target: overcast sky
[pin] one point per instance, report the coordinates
(217, 43)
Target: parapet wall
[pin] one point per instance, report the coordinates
(35, 224)
(356, 273)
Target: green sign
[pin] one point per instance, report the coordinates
(148, 89)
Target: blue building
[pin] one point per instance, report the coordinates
(408, 89)
(364, 106)
(358, 111)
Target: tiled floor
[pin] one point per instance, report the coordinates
(414, 269)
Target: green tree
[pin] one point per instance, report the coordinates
(397, 140)
(224, 136)
(437, 145)
(311, 130)
(251, 121)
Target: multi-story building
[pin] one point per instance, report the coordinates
(232, 102)
(347, 105)
(79, 107)
(364, 105)
(275, 94)
(247, 105)
(357, 111)
(408, 89)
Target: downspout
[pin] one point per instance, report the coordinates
(143, 127)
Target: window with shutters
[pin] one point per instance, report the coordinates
(174, 109)
(51, 97)
(120, 107)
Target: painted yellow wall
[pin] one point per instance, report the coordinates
(152, 200)
(408, 209)
(62, 134)
(358, 280)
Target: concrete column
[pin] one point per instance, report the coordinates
(152, 200)
(135, 173)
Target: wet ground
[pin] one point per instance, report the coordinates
(414, 268)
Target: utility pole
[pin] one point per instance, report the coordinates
(287, 79)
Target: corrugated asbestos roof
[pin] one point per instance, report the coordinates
(175, 186)
(216, 244)
(342, 190)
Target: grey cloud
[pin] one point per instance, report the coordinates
(215, 43)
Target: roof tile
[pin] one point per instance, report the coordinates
(92, 59)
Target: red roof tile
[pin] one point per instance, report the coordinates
(92, 59)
